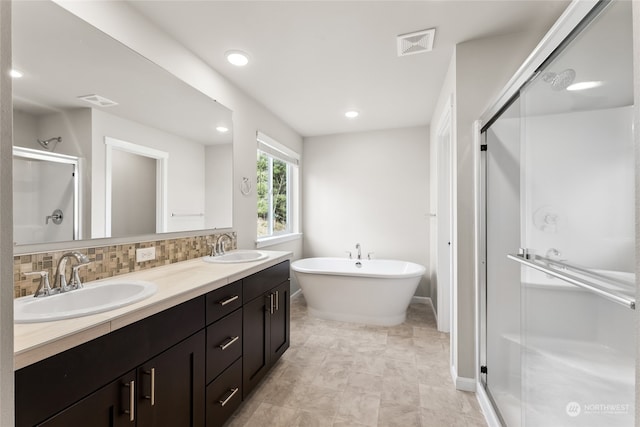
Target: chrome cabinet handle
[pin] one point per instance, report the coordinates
(277, 303)
(271, 303)
(226, 400)
(152, 397)
(229, 342)
(132, 400)
(228, 300)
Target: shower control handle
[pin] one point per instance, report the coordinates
(56, 217)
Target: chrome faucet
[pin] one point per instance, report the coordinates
(44, 289)
(218, 248)
(359, 250)
(60, 276)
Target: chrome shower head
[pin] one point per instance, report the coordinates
(559, 81)
(46, 144)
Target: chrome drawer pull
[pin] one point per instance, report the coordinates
(228, 343)
(277, 304)
(225, 401)
(132, 401)
(227, 301)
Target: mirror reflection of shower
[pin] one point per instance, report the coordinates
(51, 143)
(46, 197)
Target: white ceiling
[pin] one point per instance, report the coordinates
(313, 60)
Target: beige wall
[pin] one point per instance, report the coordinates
(370, 188)
(6, 221)
(479, 70)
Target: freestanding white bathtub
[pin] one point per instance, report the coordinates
(375, 292)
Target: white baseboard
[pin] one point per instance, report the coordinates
(425, 300)
(299, 291)
(487, 409)
(420, 300)
(462, 383)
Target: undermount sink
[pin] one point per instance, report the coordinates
(236, 257)
(91, 299)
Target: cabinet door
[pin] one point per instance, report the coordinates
(171, 391)
(108, 407)
(255, 333)
(279, 322)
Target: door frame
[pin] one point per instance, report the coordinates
(445, 228)
(162, 180)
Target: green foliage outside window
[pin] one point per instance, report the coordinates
(272, 191)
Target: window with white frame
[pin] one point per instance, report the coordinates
(277, 170)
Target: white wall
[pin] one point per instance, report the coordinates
(186, 165)
(579, 169)
(636, 144)
(370, 188)
(218, 184)
(6, 222)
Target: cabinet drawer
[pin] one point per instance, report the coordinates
(224, 343)
(224, 395)
(223, 301)
(259, 283)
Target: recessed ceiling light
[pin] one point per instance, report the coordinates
(16, 74)
(351, 114)
(237, 58)
(584, 85)
(222, 129)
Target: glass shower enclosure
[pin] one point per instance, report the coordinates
(558, 172)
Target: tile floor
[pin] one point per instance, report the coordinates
(339, 374)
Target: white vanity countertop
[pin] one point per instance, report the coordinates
(176, 283)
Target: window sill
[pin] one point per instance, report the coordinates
(276, 240)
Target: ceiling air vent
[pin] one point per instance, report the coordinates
(98, 100)
(417, 42)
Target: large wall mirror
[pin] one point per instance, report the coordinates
(150, 153)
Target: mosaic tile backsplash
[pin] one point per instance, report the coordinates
(109, 261)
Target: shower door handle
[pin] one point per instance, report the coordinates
(543, 264)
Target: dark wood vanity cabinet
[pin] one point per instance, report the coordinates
(164, 391)
(265, 322)
(107, 407)
(186, 366)
(71, 379)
